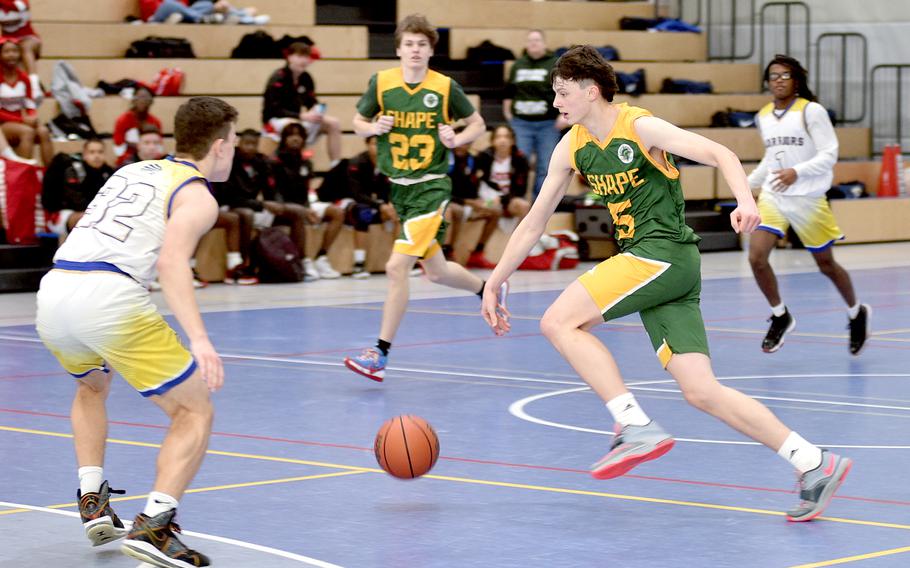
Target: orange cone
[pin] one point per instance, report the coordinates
(890, 176)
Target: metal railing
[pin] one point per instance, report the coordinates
(840, 71)
(889, 106)
(779, 25)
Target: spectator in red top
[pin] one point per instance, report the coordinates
(16, 22)
(133, 121)
(17, 106)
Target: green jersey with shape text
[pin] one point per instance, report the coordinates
(644, 196)
(412, 148)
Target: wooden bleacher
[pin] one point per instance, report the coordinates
(632, 45)
(287, 12)
(111, 40)
(526, 15)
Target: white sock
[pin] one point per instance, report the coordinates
(334, 163)
(801, 454)
(779, 310)
(9, 154)
(234, 260)
(360, 256)
(193, 262)
(626, 411)
(853, 311)
(90, 478)
(158, 503)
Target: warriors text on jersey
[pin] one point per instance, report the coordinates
(644, 197)
(799, 137)
(123, 226)
(412, 148)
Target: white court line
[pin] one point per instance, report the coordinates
(215, 538)
(785, 399)
(517, 409)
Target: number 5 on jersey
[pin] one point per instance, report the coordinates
(621, 221)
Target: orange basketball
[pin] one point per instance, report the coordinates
(406, 446)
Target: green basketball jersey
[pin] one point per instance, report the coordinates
(412, 148)
(644, 196)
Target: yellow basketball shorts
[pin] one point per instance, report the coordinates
(92, 319)
(811, 218)
(421, 208)
(661, 280)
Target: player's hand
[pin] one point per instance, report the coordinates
(745, 218)
(312, 217)
(495, 314)
(383, 124)
(783, 179)
(209, 363)
(447, 135)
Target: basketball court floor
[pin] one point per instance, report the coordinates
(290, 478)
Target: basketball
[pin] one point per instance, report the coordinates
(406, 446)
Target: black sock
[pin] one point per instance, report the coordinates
(383, 346)
(322, 252)
(447, 250)
(482, 286)
(479, 247)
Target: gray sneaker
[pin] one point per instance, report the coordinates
(633, 445)
(817, 486)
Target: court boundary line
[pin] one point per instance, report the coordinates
(212, 537)
(856, 558)
(474, 481)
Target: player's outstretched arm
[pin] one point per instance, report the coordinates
(559, 174)
(657, 133)
(193, 212)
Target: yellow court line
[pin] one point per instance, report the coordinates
(206, 489)
(491, 483)
(856, 558)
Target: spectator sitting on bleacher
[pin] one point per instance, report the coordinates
(362, 192)
(198, 11)
(130, 123)
(502, 174)
(18, 113)
(466, 205)
(250, 193)
(290, 96)
(71, 182)
(292, 184)
(149, 146)
(16, 23)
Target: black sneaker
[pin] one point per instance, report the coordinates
(100, 522)
(780, 327)
(242, 276)
(154, 541)
(859, 329)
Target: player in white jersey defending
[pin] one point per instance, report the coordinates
(794, 175)
(94, 314)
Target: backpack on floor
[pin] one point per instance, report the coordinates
(277, 256)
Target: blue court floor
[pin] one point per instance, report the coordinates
(290, 478)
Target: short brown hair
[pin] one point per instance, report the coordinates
(299, 48)
(199, 122)
(416, 24)
(584, 63)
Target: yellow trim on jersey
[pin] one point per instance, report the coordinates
(392, 78)
(174, 169)
(664, 354)
(799, 105)
(420, 234)
(633, 114)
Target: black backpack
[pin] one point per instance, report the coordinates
(277, 257)
(257, 45)
(163, 47)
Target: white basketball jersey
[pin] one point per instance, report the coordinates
(800, 137)
(123, 227)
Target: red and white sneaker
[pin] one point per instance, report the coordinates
(633, 445)
(370, 363)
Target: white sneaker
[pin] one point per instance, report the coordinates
(324, 267)
(310, 273)
(360, 273)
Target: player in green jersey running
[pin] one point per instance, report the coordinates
(410, 109)
(622, 152)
